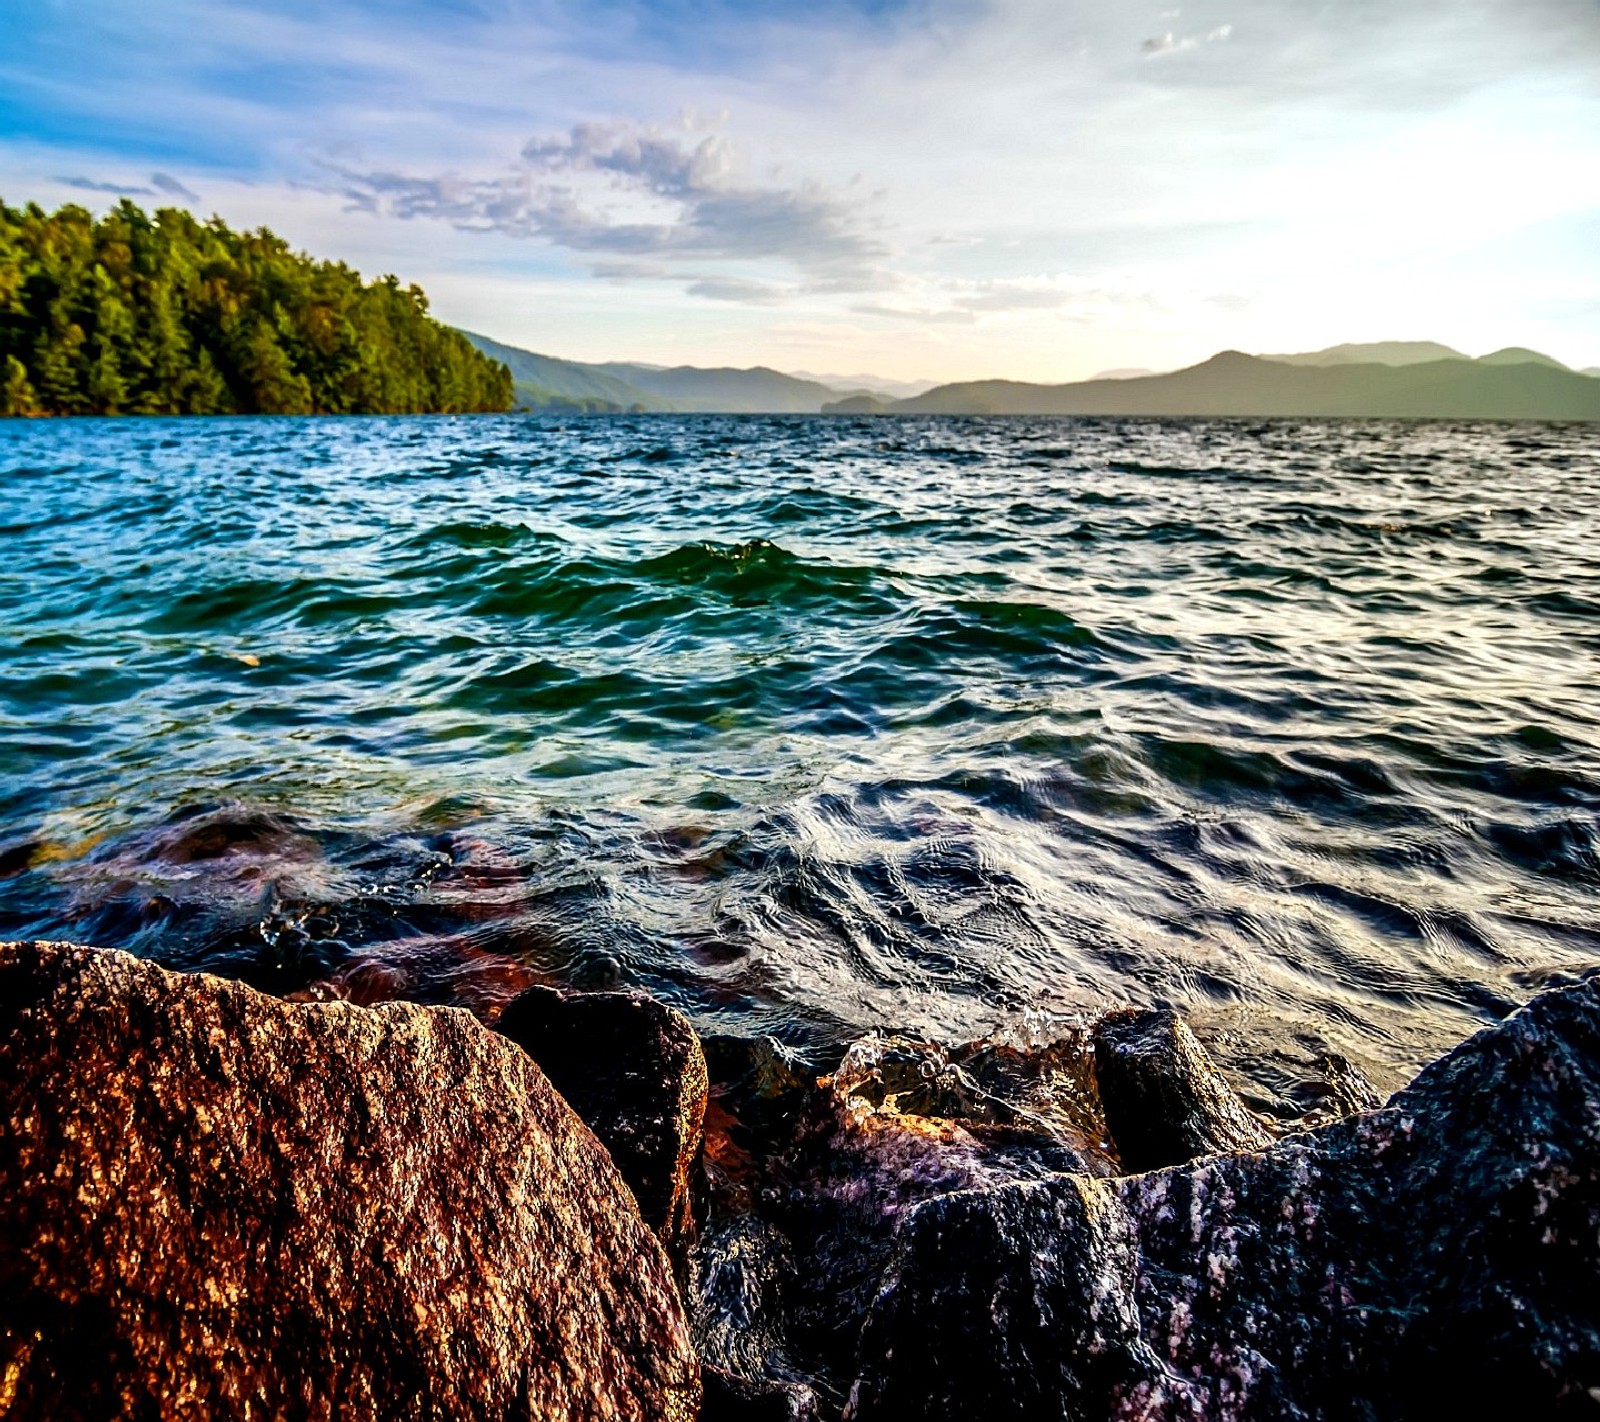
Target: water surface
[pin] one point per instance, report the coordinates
(815, 725)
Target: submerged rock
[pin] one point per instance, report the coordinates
(1420, 1261)
(632, 1068)
(214, 1204)
(1165, 1102)
(1343, 1087)
(738, 1308)
(731, 1398)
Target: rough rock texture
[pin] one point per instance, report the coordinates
(214, 1204)
(1436, 1258)
(833, 1163)
(633, 1069)
(740, 1272)
(1165, 1102)
(1344, 1087)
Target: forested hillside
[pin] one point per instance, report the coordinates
(162, 314)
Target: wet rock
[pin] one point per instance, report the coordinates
(999, 1110)
(632, 1068)
(214, 1204)
(739, 1272)
(737, 1309)
(971, 1324)
(1342, 1088)
(1165, 1102)
(1431, 1259)
(760, 1092)
(17, 856)
(731, 1398)
(438, 969)
(836, 1162)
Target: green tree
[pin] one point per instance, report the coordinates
(16, 395)
(164, 314)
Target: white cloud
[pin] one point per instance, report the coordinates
(646, 200)
(738, 290)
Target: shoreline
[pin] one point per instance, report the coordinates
(807, 1232)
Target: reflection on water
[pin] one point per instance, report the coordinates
(818, 724)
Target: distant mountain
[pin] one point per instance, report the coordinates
(1508, 385)
(545, 383)
(1520, 355)
(1236, 384)
(725, 390)
(859, 405)
(1411, 353)
(1374, 353)
(876, 385)
(1132, 373)
(548, 383)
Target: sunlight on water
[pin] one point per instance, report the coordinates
(955, 725)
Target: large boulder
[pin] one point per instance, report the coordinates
(633, 1069)
(1436, 1258)
(214, 1204)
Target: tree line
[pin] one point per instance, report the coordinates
(160, 313)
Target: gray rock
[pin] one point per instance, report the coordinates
(731, 1398)
(1165, 1102)
(217, 1205)
(741, 1268)
(830, 1163)
(1436, 1258)
(970, 1323)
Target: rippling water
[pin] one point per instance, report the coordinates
(819, 724)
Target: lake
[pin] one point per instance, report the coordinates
(812, 725)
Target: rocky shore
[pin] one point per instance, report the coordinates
(215, 1203)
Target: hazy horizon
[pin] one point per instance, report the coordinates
(929, 191)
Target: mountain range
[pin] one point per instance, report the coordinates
(543, 382)
(1508, 385)
(1389, 379)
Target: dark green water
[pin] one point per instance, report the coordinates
(816, 724)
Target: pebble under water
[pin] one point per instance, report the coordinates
(816, 725)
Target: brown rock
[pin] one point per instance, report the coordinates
(633, 1069)
(217, 1205)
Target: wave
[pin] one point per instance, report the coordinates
(816, 726)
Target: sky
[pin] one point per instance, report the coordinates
(916, 189)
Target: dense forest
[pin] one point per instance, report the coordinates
(162, 314)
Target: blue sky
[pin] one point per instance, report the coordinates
(1031, 188)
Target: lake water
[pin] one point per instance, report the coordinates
(817, 725)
